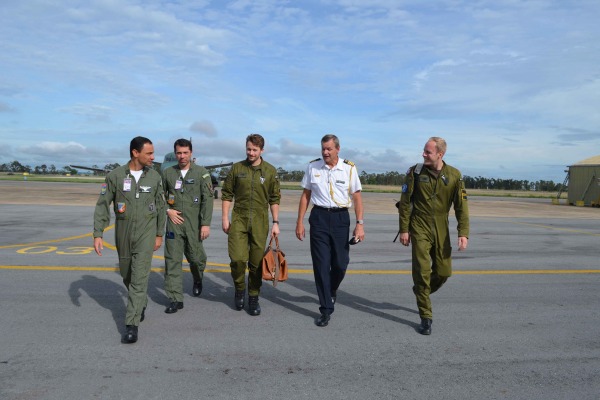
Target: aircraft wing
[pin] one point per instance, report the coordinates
(90, 168)
(218, 165)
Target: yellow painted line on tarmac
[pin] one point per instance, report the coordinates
(530, 272)
(57, 240)
(225, 269)
(46, 241)
(479, 272)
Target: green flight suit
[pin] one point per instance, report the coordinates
(424, 208)
(254, 190)
(193, 196)
(139, 219)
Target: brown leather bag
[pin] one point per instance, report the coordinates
(274, 264)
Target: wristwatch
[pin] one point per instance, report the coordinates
(360, 221)
(276, 222)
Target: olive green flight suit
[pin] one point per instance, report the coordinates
(427, 221)
(254, 190)
(193, 196)
(139, 219)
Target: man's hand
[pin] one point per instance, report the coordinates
(98, 245)
(175, 216)
(359, 232)
(405, 238)
(158, 242)
(225, 225)
(275, 230)
(204, 232)
(463, 241)
(300, 230)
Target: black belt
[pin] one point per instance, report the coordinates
(334, 209)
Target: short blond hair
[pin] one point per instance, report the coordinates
(440, 144)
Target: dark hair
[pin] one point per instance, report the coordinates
(256, 140)
(182, 143)
(335, 139)
(137, 143)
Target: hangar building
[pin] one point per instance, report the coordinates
(584, 182)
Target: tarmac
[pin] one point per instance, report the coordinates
(519, 319)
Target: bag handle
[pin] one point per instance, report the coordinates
(275, 250)
(270, 245)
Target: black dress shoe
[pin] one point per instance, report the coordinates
(253, 306)
(143, 314)
(333, 296)
(323, 320)
(425, 328)
(239, 300)
(130, 335)
(197, 289)
(174, 306)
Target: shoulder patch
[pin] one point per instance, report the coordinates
(316, 159)
(418, 168)
(350, 163)
(205, 176)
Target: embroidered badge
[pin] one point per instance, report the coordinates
(171, 200)
(145, 189)
(121, 208)
(103, 189)
(404, 188)
(262, 180)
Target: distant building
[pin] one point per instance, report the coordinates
(584, 182)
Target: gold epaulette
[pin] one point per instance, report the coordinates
(350, 163)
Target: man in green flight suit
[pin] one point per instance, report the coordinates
(136, 192)
(424, 207)
(254, 185)
(189, 194)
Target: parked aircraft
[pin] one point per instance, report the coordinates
(169, 160)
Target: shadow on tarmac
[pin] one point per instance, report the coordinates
(343, 298)
(113, 296)
(106, 293)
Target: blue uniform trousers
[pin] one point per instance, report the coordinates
(329, 231)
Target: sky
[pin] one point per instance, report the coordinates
(513, 86)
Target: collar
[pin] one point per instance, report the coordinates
(249, 164)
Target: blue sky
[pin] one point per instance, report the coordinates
(513, 86)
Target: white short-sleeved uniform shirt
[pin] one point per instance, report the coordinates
(333, 187)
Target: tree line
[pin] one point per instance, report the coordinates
(390, 178)
(394, 178)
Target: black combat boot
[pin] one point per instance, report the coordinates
(253, 306)
(197, 288)
(425, 328)
(239, 299)
(130, 335)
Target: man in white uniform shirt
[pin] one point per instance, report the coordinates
(333, 185)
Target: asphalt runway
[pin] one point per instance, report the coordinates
(519, 319)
